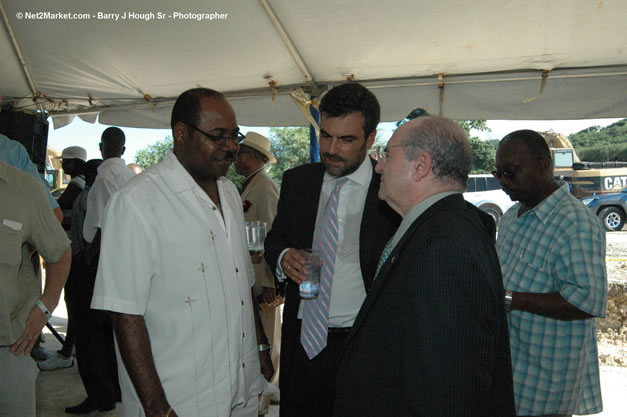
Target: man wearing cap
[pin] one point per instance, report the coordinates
(73, 162)
(260, 197)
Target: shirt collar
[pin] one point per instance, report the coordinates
(416, 211)
(181, 180)
(110, 162)
(544, 210)
(361, 175)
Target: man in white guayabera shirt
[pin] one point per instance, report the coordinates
(175, 271)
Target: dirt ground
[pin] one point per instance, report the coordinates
(612, 331)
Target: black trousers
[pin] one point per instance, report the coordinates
(310, 389)
(95, 351)
(72, 299)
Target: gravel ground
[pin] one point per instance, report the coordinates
(612, 331)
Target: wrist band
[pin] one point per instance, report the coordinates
(264, 347)
(167, 413)
(44, 309)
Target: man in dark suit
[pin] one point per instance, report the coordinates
(350, 114)
(431, 338)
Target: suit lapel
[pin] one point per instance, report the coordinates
(310, 203)
(454, 201)
(369, 217)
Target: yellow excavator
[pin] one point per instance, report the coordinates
(585, 178)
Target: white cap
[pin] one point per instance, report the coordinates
(74, 152)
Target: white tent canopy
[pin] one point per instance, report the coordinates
(488, 59)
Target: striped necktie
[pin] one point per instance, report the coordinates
(384, 256)
(313, 334)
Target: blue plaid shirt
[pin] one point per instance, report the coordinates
(559, 245)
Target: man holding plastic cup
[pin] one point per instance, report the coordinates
(331, 207)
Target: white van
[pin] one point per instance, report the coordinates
(484, 191)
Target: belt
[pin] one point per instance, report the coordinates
(334, 331)
(338, 331)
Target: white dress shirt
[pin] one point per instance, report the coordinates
(112, 175)
(348, 292)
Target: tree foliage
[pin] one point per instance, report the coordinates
(483, 152)
(415, 113)
(153, 154)
(600, 144)
(290, 146)
(596, 135)
(603, 153)
(483, 155)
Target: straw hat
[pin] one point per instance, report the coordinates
(259, 143)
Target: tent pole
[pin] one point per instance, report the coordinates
(314, 148)
(287, 41)
(20, 57)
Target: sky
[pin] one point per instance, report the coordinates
(87, 135)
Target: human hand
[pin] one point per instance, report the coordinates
(35, 321)
(267, 369)
(268, 295)
(293, 265)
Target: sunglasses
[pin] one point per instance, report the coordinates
(498, 173)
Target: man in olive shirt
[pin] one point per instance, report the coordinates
(27, 223)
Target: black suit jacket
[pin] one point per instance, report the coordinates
(293, 227)
(431, 338)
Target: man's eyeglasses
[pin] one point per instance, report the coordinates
(498, 173)
(382, 153)
(236, 137)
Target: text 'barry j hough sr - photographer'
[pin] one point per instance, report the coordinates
(148, 16)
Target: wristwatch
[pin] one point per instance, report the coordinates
(508, 300)
(264, 347)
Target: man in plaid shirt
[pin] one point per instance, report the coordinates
(552, 253)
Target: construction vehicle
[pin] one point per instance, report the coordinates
(585, 178)
(57, 180)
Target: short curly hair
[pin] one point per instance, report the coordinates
(348, 98)
(532, 140)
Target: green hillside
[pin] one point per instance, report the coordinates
(602, 143)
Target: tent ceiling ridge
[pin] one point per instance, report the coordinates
(383, 83)
(491, 77)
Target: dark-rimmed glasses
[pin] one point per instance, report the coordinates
(236, 137)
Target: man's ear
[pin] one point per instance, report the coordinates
(545, 165)
(370, 139)
(421, 166)
(123, 150)
(179, 132)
